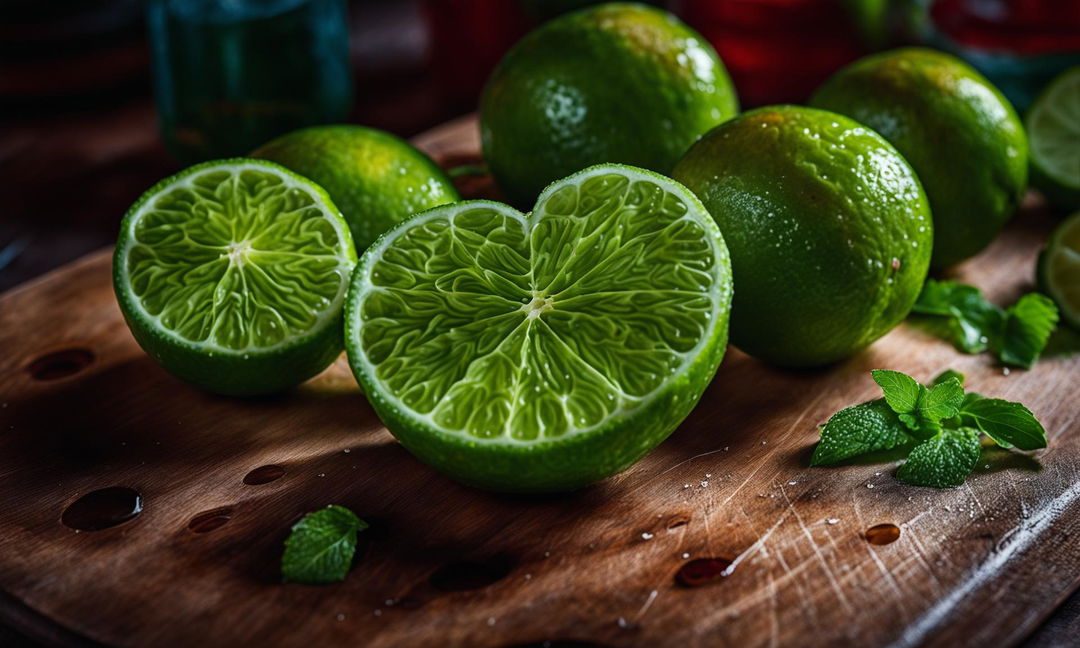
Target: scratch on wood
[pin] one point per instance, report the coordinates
(754, 548)
(920, 551)
(877, 561)
(774, 615)
(817, 552)
(699, 456)
(645, 608)
(809, 611)
(1025, 513)
(764, 460)
(967, 486)
(1023, 536)
(887, 574)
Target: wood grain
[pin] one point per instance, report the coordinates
(977, 565)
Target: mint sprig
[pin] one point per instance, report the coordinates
(944, 423)
(321, 546)
(960, 314)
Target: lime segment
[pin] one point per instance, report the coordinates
(498, 345)
(231, 260)
(1059, 269)
(1053, 126)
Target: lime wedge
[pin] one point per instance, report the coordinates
(232, 275)
(1059, 269)
(542, 351)
(1053, 126)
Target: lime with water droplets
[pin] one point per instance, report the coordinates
(619, 82)
(542, 351)
(958, 132)
(829, 230)
(375, 178)
(232, 275)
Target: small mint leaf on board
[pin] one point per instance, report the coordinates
(945, 459)
(859, 429)
(938, 297)
(947, 374)
(321, 545)
(973, 324)
(901, 390)
(979, 323)
(1009, 424)
(1028, 325)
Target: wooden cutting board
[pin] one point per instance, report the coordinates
(83, 408)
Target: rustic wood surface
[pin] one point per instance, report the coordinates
(447, 565)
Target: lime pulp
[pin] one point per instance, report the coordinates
(230, 271)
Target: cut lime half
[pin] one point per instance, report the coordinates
(232, 275)
(543, 351)
(1059, 269)
(1053, 126)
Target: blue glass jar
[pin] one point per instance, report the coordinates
(231, 74)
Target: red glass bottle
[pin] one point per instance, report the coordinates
(1019, 44)
(776, 50)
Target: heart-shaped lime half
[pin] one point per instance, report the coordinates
(542, 351)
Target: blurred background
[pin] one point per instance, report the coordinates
(99, 99)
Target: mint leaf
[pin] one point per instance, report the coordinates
(1008, 424)
(947, 374)
(973, 323)
(1028, 325)
(901, 390)
(938, 297)
(945, 459)
(857, 430)
(321, 546)
(1017, 335)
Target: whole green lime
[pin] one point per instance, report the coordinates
(618, 83)
(959, 133)
(375, 178)
(829, 230)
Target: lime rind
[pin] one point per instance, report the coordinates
(338, 260)
(537, 398)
